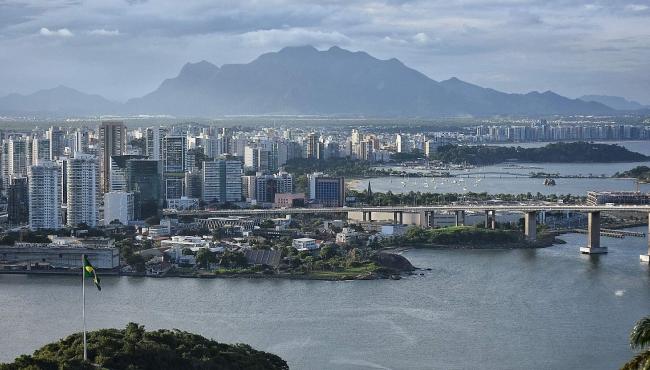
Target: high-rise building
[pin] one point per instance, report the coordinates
(18, 156)
(222, 181)
(329, 191)
(57, 142)
(143, 179)
(153, 141)
(266, 186)
(174, 153)
(112, 141)
(194, 184)
(44, 193)
(83, 191)
(40, 150)
(118, 205)
(285, 182)
(81, 141)
(313, 146)
(399, 143)
(117, 180)
(18, 201)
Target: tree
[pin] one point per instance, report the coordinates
(267, 224)
(134, 348)
(328, 252)
(136, 261)
(204, 257)
(640, 341)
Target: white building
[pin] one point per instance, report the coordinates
(118, 205)
(44, 196)
(305, 244)
(399, 143)
(83, 190)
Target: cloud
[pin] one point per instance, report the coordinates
(104, 32)
(61, 32)
(294, 37)
(636, 7)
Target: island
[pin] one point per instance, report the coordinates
(641, 173)
(134, 348)
(573, 152)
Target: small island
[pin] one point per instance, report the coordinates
(574, 152)
(134, 348)
(641, 173)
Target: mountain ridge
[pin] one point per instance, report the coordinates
(305, 80)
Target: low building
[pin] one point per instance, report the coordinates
(239, 222)
(305, 244)
(289, 200)
(393, 230)
(61, 254)
(617, 197)
(184, 242)
(183, 203)
(347, 236)
(262, 257)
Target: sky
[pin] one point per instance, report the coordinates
(125, 48)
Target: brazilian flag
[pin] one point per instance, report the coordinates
(90, 272)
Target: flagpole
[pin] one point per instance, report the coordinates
(83, 309)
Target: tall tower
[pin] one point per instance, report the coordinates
(153, 140)
(83, 190)
(44, 202)
(112, 141)
(18, 156)
(399, 143)
(57, 142)
(174, 152)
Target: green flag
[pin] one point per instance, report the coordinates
(90, 272)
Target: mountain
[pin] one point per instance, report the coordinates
(304, 80)
(615, 102)
(60, 100)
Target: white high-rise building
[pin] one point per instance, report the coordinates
(44, 196)
(153, 139)
(118, 205)
(83, 190)
(399, 143)
(40, 150)
(222, 181)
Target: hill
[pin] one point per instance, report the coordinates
(133, 348)
(60, 100)
(615, 102)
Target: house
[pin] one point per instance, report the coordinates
(305, 244)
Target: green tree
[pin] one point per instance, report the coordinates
(267, 224)
(640, 341)
(204, 257)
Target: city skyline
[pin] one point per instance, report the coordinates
(573, 48)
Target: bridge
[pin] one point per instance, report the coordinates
(530, 211)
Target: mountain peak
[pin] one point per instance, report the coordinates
(199, 68)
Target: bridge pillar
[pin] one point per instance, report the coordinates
(369, 216)
(530, 225)
(593, 235)
(646, 257)
(491, 219)
(395, 217)
(460, 218)
(401, 218)
(424, 219)
(365, 216)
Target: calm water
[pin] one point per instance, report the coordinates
(501, 178)
(511, 309)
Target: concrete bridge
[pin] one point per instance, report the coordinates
(529, 210)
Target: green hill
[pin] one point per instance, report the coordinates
(133, 348)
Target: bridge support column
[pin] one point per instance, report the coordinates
(401, 218)
(369, 216)
(491, 219)
(646, 257)
(424, 219)
(593, 235)
(395, 217)
(530, 225)
(460, 218)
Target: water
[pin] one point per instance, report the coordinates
(500, 309)
(501, 178)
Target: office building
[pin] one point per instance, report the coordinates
(328, 191)
(112, 141)
(56, 136)
(18, 201)
(143, 179)
(118, 205)
(222, 181)
(40, 150)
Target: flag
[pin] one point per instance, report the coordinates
(90, 272)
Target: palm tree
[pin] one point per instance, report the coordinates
(640, 340)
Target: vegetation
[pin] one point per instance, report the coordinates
(459, 235)
(334, 167)
(640, 341)
(134, 348)
(641, 173)
(556, 152)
